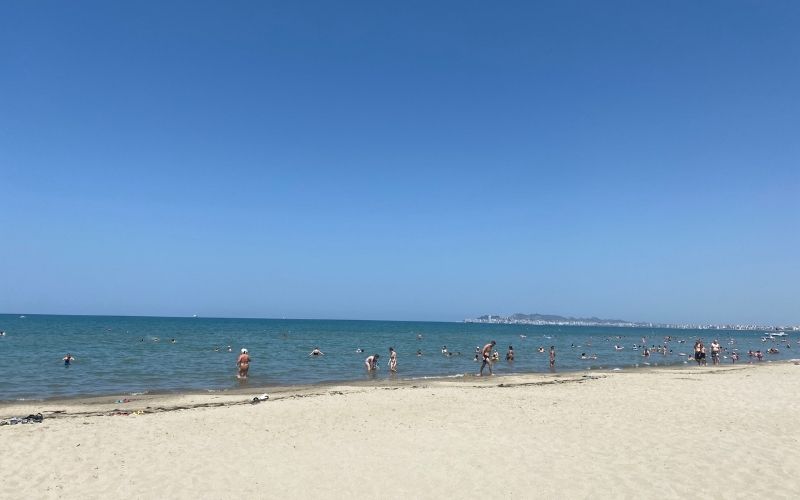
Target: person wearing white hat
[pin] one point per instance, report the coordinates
(244, 364)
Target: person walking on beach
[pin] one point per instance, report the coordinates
(392, 359)
(244, 364)
(697, 345)
(715, 348)
(552, 357)
(372, 362)
(487, 353)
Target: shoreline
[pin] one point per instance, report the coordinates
(347, 381)
(100, 405)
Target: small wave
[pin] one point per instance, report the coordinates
(434, 377)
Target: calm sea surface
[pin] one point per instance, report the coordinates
(123, 355)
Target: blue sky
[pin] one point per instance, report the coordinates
(401, 160)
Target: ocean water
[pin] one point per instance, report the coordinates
(120, 355)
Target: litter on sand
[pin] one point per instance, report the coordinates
(260, 398)
(30, 419)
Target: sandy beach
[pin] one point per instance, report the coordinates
(727, 432)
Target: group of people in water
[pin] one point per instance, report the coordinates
(488, 355)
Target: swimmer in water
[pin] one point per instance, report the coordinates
(316, 352)
(359, 350)
(372, 362)
(68, 359)
(419, 352)
(244, 364)
(392, 359)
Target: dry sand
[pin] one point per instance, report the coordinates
(729, 432)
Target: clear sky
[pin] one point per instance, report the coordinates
(401, 160)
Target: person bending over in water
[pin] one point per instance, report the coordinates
(244, 364)
(486, 352)
(316, 352)
(392, 359)
(68, 359)
(372, 362)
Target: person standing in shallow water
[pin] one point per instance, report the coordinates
(244, 364)
(68, 359)
(552, 357)
(487, 353)
(392, 359)
(715, 349)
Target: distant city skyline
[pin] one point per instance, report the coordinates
(412, 161)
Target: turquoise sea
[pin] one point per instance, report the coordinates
(125, 355)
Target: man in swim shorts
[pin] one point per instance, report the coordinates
(715, 348)
(244, 364)
(68, 359)
(486, 352)
(392, 359)
(552, 357)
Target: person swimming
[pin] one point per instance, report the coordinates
(68, 359)
(316, 352)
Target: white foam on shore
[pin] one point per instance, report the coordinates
(457, 375)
